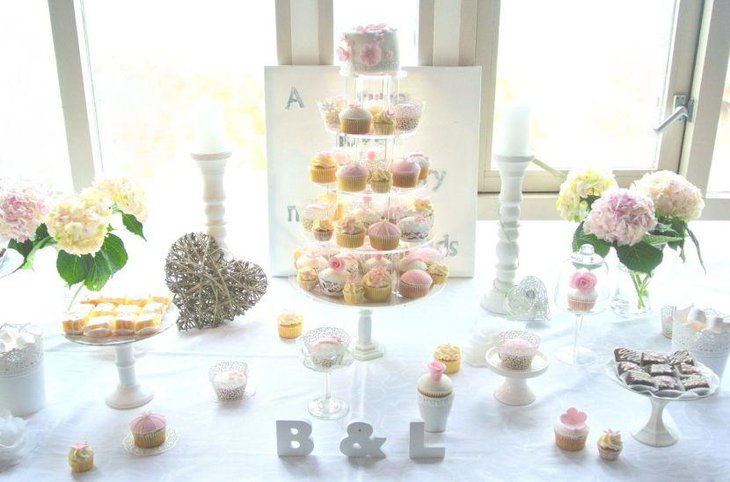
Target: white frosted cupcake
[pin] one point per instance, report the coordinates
(414, 228)
(332, 279)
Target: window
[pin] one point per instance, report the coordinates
(402, 14)
(595, 89)
(150, 72)
(719, 181)
(32, 132)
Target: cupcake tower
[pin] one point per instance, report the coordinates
(371, 226)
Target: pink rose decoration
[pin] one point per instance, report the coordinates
(370, 54)
(583, 281)
(437, 369)
(342, 54)
(336, 264)
(621, 216)
(574, 418)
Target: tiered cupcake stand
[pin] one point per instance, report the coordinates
(365, 347)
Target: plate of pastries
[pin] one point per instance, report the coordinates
(108, 319)
(671, 376)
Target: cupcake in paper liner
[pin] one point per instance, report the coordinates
(149, 430)
(377, 284)
(350, 233)
(571, 430)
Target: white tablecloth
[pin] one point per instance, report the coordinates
(484, 439)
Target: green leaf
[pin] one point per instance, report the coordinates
(133, 225)
(28, 248)
(115, 252)
(660, 240)
(697, 245)
(99, 272)
(641, 257)
(73, 268)
(580, 238)
(23, 248)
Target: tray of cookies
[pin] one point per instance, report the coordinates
(111, 320)
(667, 376)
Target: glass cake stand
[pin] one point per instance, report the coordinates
(129, 392)
(655, 432)
(365, 347)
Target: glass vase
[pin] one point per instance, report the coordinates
(632, 298)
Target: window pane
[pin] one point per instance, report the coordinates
(401, 14)
(152, 63)
(720, 171)
(32, 133)
(592, 73)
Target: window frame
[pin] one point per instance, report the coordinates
(701, 36)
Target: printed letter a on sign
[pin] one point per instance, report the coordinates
(294, 98)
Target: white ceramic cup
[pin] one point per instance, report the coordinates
(435, 411)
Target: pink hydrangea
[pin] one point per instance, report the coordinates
(583, 281)
(22, 209)
(370, 54)
(621, 216)
(342, 54)
(673, 195)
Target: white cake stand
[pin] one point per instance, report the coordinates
(655, 432)
(129, 392)
(515, 391)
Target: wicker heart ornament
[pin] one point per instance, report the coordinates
(209, 288)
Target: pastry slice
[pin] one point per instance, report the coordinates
(651, 357)
(163, 300)
(73, 323)
(681, 357)
(99, 326)
(667, 383)
(139, 301)
(103, 309)
(147, 323)
(115, 300)
(687, 370)
(660, 369)
(627, 354)
(154, 307)
(695, 382)
(625, 366)
(639, 379)
(124, 324)
(127, 309)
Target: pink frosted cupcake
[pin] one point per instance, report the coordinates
(384, 235)
(377, 285)
(405, 173)
(582, 295)
(571, 431)
(149, 430)
(423, 161)
(414, 283)
(352, 178)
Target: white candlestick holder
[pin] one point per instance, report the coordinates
(511, 172)
(213, 166)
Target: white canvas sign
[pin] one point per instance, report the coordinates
(448, 132)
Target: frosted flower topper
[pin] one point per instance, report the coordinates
(574, 418)
(79, 226)
(584, 281)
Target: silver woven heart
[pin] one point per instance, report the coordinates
(528, 301)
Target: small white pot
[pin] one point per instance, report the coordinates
(435, 411)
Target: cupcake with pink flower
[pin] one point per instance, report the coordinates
(571, 431)
(582, 295)
(332, 279)
(377, 284)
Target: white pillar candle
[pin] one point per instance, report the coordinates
(209, 128)
(513, 133)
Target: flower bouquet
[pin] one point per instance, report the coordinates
(638, 223)
(79, 226)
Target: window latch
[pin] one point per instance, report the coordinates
(683, 109)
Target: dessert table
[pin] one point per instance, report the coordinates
(484, 440)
